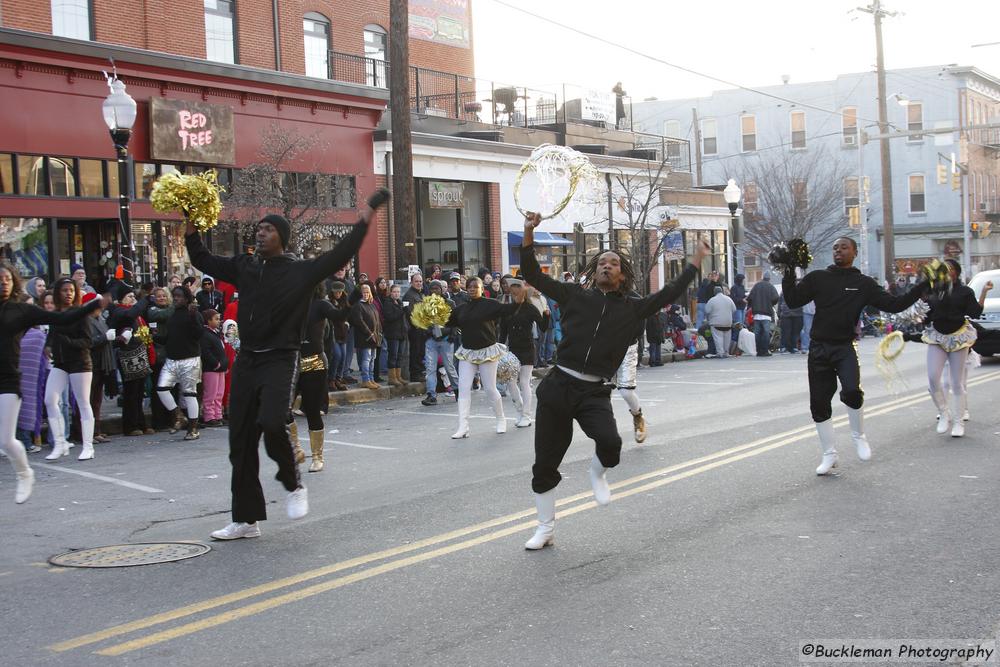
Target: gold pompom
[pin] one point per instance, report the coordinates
(144, 335)
(433, 310)
(194, 195)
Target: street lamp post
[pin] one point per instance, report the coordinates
(732, 193)
(119, 111)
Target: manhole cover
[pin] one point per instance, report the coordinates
(127, 555)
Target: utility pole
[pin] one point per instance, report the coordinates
(862, 204)
(403, 202)
(697, 145)
(888, 237)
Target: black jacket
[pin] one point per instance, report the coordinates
(366, 325)
(763, 297)
(738, 293)
(213, 352)
(184, 330)
(15, 319)
(598, 327)
(654, 328)
(394, 317)
(321, 311)
(840, 295)
(948, 312)
(213, 299)
(516, 331)
(341, 329)
(70, 346)
(478, 321)
(100, 347)
(275, 292)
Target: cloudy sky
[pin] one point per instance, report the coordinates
(751, 42)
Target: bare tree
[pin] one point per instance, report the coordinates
(638, 194)
(283, 181)
(799, 195)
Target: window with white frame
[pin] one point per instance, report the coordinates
(709, 137)
(798, 121)
(915, 120)
(917, 203)
(376, 53)
(750, 198)
(316, 29)
(220, 31)
(71, 18)
(748, 132)
(851, 194)
(672, 128)
(849, 122)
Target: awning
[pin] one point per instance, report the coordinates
(541, 238)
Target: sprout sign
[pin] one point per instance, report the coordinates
(187, 131)
(446, 195)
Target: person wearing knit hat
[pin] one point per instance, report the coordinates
(275, 291)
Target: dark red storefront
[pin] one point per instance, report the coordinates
(58, 177)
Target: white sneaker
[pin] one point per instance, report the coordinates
(235, 531)
(297, 503)
(25, 482)
(501, 425)
(599, 481)
(86, 454)
(523, 422)
(944, 423)
(958, 429)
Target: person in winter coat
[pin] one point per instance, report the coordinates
(123, 321)
(71, 365)
(104, 365)
(341, 332)
(209, 297)
(791, 325)
(367, 327)
(516, 330)
(706, 290)
(738, 293)
(214, 364)
(439, 345)
(231, 340)
(654, 336)
(394, 318)
(762, 299)
(160, 309)
(719, 313)
(416, 336)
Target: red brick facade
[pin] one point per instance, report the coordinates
(495, 232)
(178, 27)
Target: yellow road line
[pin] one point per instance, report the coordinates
(793, 435)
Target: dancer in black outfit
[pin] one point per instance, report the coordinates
(599, 323)
(517, 331)
(841, 292)
(275, 291)
(17, 317)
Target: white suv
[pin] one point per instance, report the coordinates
(990, 320)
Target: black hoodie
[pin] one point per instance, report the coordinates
(841, 293)
(275, 293)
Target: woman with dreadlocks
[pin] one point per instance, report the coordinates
(599, 323)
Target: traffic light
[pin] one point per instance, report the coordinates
(980, 229)
(942, 174)
(853, 216)
(956, 181)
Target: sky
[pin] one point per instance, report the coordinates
(750, 43)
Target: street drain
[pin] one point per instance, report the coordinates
(128, 555)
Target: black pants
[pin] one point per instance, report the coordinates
(417, 338)
(133, 417)
(259, 400)
(829, 362)
(791, 327)
(312, 389)
(561, 399)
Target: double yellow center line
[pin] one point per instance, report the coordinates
(398, 558)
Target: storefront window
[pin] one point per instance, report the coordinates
(30, 169)
(455, 234)
(91, 178)
(62, 181)
(145, 174)
(6, 173)
(112, 169)
(25, 243)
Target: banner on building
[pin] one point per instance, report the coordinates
(597, 105)
(185, 131)
(443, 194)
(441, 21)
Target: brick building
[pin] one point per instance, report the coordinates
(314, 68)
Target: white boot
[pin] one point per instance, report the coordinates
(545, 503)
(501, 418)
(599, 481)
(23, 472)
(464, 406)
(25, 482)
(856, 417)
(59, 450)
(826, 440)
(86, 453)
(944, 415)
(958, 427)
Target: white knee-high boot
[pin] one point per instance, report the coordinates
(498, 413)
(958, 426)
(856, 417)
(944, 414)
(57, 428)
(545, 503)
(464, 407)
(826, 446)
(599, 481)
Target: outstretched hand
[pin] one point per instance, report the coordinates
(532, 220)
(701, 251)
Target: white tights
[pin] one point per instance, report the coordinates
(488, 379)
(936, 358)
(10, 406)
(190, 403)
(79, 384)
(632, 399)
(520, 390)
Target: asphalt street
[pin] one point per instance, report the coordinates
(720, 547)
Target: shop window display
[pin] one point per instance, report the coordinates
(25, 243)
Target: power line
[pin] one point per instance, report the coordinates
(656, 59)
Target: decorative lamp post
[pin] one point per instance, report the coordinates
(732, 193)
(119, 111)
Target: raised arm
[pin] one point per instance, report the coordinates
(982, 294)
(881, 299)
(796, 294)
(673, 290)
(532, 272)
(225, 268)
(35, 315)
(326, 264)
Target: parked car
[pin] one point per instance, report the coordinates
(989, 324)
